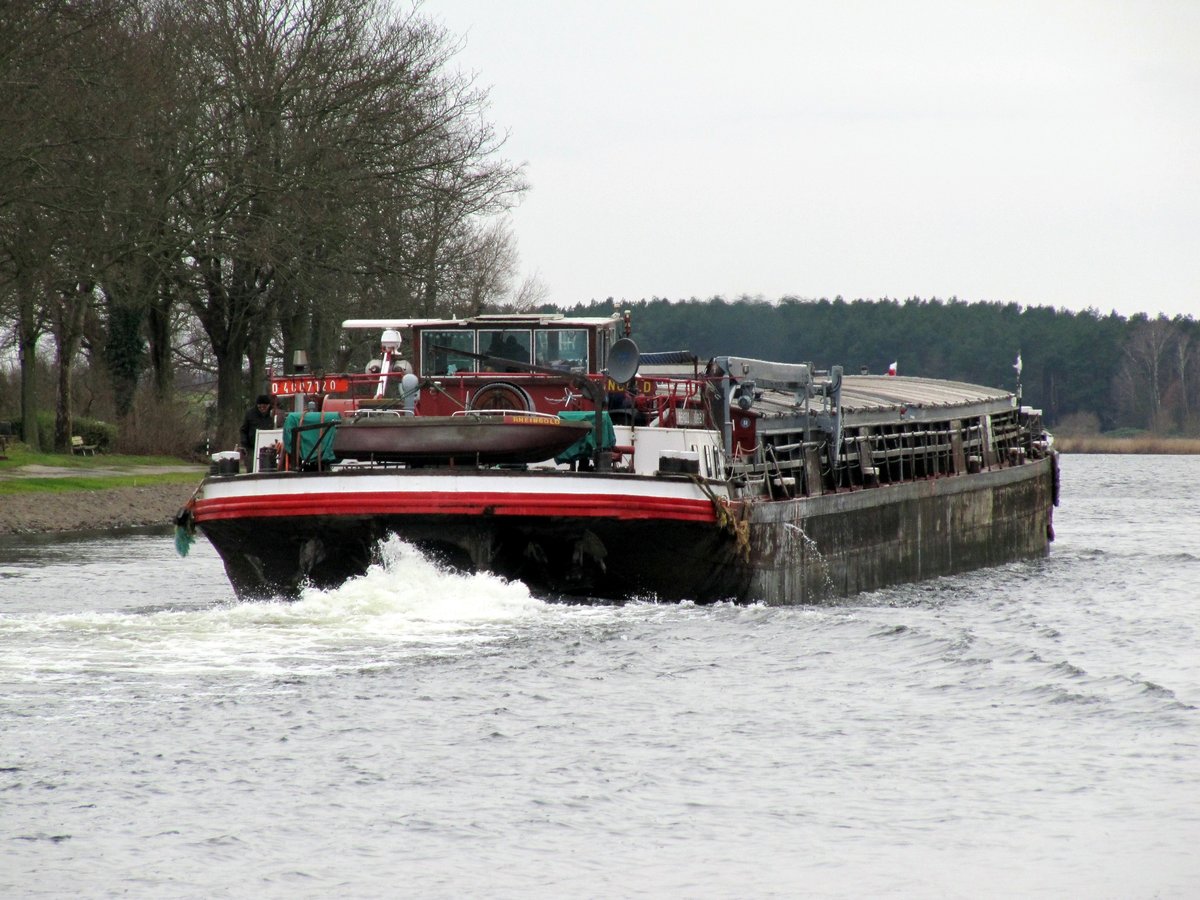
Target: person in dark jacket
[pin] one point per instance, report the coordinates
(258, 416)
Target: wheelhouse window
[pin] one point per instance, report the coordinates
(446, 361)
(505, 343)
(561, 348)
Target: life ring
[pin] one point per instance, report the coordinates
(501, 395)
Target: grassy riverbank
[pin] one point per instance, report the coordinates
(49, 492)
(23, 472)
(75, 484)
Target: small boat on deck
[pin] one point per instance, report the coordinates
(472, 437)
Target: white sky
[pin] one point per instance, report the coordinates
(1044, 152)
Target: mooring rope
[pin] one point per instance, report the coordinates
(737, 525)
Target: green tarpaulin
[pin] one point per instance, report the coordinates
(300, 423)
(585, 447)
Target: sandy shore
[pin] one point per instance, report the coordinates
(92, 510)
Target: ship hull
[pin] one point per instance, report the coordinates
(612, 537)
(837, 545)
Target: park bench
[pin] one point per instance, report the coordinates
(78, 446)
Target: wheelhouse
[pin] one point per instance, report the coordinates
(510, 361)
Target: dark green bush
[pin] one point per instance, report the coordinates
(45, 429)
(93, 431)
(102, 434)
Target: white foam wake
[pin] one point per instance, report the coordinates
(405, 606)
(408, 591)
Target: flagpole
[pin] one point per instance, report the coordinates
(1018, 366)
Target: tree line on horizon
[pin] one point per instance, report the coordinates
(1083, 369)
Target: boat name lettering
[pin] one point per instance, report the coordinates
(284, 386)
(637, 386)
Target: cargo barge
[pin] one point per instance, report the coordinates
(549, 449)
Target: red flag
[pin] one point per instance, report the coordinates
(892, 369)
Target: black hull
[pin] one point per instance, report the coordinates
(777, 552)
(585, 559)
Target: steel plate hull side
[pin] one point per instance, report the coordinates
(804, 551)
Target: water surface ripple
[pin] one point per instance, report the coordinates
(1031, 730)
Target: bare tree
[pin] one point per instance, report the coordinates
(1184, 360)
(484, 269)
(53, 68)
(322, 119)
(1146, 373)
(532, 293)
(147, 164)
(28, 36)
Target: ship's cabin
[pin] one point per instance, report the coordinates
(449, 347)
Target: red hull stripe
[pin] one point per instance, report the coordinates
(455, 504)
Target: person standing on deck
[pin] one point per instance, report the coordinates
(258, 416)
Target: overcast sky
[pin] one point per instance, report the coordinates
(1046, 153)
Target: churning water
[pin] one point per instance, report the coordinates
(1031, 730)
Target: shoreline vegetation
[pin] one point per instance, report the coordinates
(1144, 443)
(48, 493)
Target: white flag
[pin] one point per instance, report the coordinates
(1017, 364)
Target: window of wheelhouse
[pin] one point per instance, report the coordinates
(605, 339)
(446, 361)
(505, 343)
(561, 348)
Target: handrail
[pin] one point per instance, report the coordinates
(504, 412)
(367, 413)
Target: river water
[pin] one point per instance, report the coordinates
(1031, 730)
